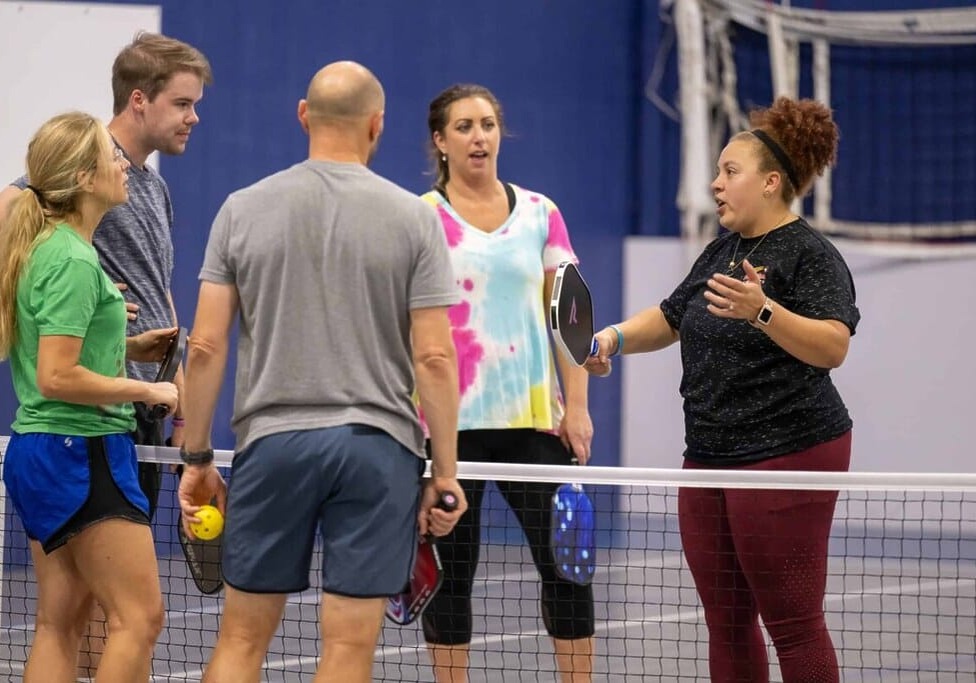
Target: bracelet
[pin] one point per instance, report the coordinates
(197, 457)
(179, 422)
(620, 340)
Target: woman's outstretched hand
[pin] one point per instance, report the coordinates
(599, 363)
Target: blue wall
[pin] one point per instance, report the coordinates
(567, 74)
(571, 76)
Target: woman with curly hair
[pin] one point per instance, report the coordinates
(766, 312)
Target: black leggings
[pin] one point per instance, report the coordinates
(105, 499)
(567, 608)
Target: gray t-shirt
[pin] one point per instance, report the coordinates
(135, 246)
(328, 260)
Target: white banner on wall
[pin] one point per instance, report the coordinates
(908, 378)
(57, 57)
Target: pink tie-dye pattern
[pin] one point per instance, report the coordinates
(459, 314)
(452, 229)
(558, 234)
(469, 351)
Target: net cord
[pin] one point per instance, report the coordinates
(653, 476)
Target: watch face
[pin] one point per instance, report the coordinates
(765, 315)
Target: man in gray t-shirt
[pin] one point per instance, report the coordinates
(341, 283)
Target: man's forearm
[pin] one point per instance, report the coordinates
(204, 377)
(437, 384)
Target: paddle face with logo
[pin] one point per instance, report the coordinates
(572, 538)
(571, 314)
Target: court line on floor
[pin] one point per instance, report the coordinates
(697, 615)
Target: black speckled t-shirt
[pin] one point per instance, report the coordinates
(745, 398)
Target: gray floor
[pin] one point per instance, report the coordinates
(892, 620)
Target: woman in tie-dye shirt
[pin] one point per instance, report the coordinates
(505, 244)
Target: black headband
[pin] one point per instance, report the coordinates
(780, 155)
(33, 189)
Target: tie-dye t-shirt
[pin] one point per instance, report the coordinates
(506, 368)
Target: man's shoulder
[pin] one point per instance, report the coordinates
(403, 197)
(351, 177)
(270, 184)
(147, 181)
(148, 203)
(363, 178)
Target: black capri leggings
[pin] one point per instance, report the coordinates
(567, 608)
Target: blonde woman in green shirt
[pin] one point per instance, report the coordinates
(70, 466)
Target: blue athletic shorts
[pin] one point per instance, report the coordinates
(356, 484)
(61, 484)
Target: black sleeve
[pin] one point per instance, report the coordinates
(675, 305)
(824, 289)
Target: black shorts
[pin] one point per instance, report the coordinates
(105, 500)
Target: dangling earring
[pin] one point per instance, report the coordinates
(444, 158)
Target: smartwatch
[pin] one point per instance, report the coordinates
(197, 457)
(765, 313)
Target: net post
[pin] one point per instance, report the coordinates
(695, 201)
(823, 193)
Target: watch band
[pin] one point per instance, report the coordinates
(197, 457)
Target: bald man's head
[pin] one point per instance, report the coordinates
(344, 91)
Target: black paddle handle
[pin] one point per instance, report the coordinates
(169, 368)
(447, 501)
(159, 411)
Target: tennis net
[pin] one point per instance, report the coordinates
(901, 585)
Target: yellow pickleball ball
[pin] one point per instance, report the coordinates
(211, 523)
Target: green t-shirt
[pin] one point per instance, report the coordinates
(63, 291)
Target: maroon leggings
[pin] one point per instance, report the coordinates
(763, 553)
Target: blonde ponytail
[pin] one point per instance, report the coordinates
(62, 150)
